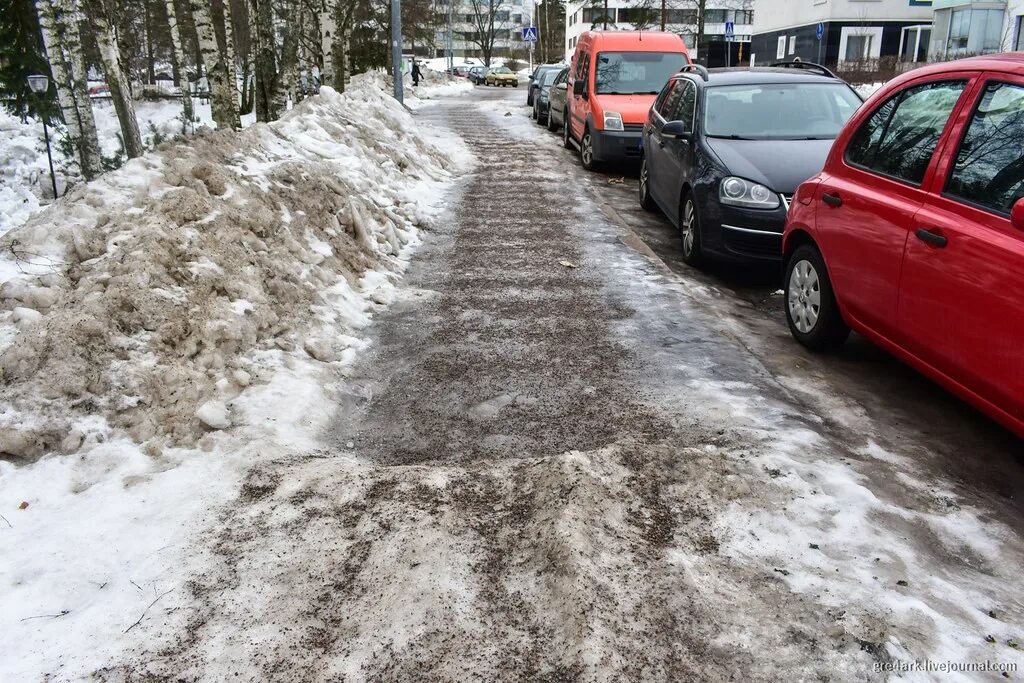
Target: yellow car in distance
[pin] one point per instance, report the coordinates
(501, 76)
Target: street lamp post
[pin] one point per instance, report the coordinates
(39, 84)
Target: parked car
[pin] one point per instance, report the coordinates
(913, 234)
(557, 100)
(476, 75)
(541, 101)
(724, 150)
(462, 70)
(502, 76)
(613, 80)
(534, 84)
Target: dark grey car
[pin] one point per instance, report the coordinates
(725, 150)
(540, 101)
(534, 85)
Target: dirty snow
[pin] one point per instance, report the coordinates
(171, 323)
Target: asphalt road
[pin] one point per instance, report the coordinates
(567, 457)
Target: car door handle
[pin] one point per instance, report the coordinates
(833, 200)
(926, 235)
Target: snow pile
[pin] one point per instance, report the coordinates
(24, 172)
(145, 301)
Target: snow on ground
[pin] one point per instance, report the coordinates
(165, 327)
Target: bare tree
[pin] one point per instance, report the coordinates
(488, 18)
(120, 91)
(60, 22)
(218, 74)
(261, 13)
(178, 45)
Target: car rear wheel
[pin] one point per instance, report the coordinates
(587, 151)
(689, 232)
(566, 131)
(552, 124)
(811, 308)
(646, 202)
(534, 115)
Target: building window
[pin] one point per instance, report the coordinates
(595, 15)
(914, 43)
(780, 52)
(858, 48)
(860, 43)
(968, 31)
(792, 45)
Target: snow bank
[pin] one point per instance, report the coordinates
(158, 279)
(170, 324)
(24, 172)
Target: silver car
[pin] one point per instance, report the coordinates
(557, 101)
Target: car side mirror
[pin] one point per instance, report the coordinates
(1017, 215)
(675, 130)
(579, 88)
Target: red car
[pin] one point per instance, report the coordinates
(913, 234)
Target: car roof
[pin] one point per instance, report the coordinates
(634, 41)
(755, 75)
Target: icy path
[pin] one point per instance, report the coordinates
(557, 465)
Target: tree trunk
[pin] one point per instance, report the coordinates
(178, 46)
(116, 81)
(229, 48)
(289, 57)
(266, 60)
(59, 22)
(222, 100)
(328, 30)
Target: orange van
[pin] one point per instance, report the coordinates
(613, 81)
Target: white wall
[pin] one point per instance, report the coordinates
(778, 15)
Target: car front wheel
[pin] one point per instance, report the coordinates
(811, 309)
(587, 151)
(646, 202)
(552, 124)
(689, 232)
(566, 131)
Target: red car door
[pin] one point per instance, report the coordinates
(869, 197)
(961, 300)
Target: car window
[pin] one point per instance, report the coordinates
(581, 65)
(803, 110)
(683, 108)
(899, 139)
(563, 76)
(989, 169)
(668, 98)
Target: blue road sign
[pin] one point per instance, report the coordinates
(530, 34)
(730, 30)
(820, 31)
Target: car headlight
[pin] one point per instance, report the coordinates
(612, 120)
(739, 192)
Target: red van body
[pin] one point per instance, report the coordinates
(614, 79)
(924, 247)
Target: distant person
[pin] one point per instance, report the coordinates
(415, 73)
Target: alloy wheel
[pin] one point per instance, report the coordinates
(643, 181)
(804, 296)
(586, 150)
(688, 227)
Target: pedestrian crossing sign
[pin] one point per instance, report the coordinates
(530, 34)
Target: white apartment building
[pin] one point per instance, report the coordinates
(849, 30)
(510, 18)
(681, 18)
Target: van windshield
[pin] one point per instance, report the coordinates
(778, 111)
(635, 73)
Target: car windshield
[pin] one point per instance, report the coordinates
(502, 70)
(635, 73)
(778, 111)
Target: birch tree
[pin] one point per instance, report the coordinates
(262, 16)
(230, 56)
(222, 99)
(178, 48)
(116, 80)
(59, 22)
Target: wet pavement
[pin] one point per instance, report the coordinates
(564, 458)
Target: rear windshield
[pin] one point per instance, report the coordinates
(635, 73)
(549, 76)
(778, 111)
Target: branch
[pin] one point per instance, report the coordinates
(143, 615)
(49, 616)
